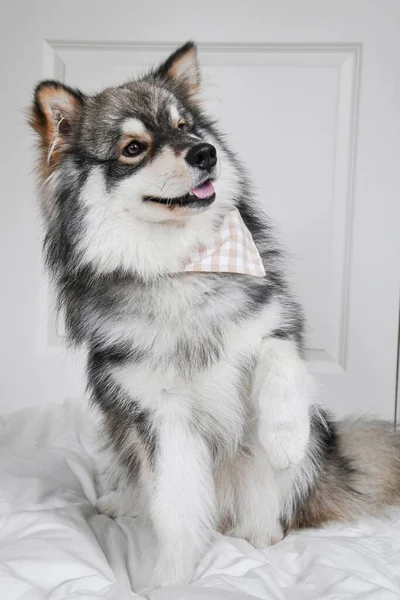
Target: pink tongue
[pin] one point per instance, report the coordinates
(203, 191)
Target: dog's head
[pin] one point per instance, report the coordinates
(135, 176)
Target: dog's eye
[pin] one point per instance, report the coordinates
(133, 149)
(182, 126)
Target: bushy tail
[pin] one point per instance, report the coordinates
(353, 468)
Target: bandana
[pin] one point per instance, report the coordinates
(232, 251)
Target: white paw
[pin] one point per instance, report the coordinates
(285, 443)
(109, 504)
(122, 503)
(260, 538)
(171, 569)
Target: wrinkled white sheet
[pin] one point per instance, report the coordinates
(53, 544)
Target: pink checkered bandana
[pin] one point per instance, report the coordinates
(233, 250)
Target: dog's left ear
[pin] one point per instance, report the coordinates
(54, 112)
(182, 69)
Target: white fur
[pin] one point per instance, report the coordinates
(182, 498)
(182, 492)
(251, 486)
(121, 502)
(124, 232)
(174, 114)
(116, 239)
(134, 127)
(214, 396)
(284, 391)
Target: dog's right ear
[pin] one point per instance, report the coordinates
(54, 110)
(182, 68)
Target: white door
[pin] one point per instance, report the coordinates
(308, 93)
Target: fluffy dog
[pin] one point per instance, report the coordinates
(200, 377)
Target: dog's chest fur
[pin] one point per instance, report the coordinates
(191, 342)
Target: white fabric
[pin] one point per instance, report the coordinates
(54, 546)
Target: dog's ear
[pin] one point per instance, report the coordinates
(182, 69)
(54, 110)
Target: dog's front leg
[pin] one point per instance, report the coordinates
(283, 390)
(182, 500)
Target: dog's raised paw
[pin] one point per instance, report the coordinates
(285, 446)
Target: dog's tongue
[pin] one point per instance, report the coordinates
(203, 191)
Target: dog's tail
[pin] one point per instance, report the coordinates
(352, 468)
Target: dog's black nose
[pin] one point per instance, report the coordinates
(203, 156)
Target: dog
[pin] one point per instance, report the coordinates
(200, 377)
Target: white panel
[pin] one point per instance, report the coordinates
(291, 113)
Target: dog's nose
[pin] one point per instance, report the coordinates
(203, 156)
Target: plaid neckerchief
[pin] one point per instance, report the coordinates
(232, 251)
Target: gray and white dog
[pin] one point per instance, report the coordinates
(200, 377)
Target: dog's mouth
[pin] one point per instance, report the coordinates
(198, 197)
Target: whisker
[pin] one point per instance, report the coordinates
(152, 183)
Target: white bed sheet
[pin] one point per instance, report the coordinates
(54, 546)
